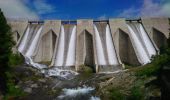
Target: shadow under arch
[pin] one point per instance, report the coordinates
(159, 38)
(86, 54)
(46, 47)
(126, 51)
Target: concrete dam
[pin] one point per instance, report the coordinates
(104, 45)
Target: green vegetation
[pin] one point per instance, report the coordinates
(7, 78)
(85, 69)
(116, 94)
(15, 59)
(137, 91)
(13, 90)
(5, 51)
(154, 67)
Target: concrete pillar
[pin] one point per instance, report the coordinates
(18, 28)
(85, 42)
(123, 45)
(47, 46)
(101, 27)
(158, 29)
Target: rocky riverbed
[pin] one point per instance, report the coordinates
(39, 87)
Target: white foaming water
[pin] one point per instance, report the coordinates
(66, 74)
(71, 49)
(94, 98)
(75, 91)
(60, 53)
(139, 49)
(149, 46)
(23, 41)
(99, 49)
(33, 45)
(110, 48)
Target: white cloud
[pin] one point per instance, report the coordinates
(149, 8)
(153, 9)
(16, 9)
(131, 12)
(42, 7)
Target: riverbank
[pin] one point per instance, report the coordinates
(112, 86)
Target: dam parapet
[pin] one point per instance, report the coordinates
(104, 46)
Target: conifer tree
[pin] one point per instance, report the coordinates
(6, 44)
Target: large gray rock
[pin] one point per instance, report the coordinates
(28, 90)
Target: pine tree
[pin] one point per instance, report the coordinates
(6, 44)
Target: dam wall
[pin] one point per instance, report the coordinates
(158, 30)
(104, 46)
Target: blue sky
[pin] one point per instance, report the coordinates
(80, 9)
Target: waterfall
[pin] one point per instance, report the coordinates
(110, 48)
(24, 40)
(149, 46)
(33, 45)
(139, 48)
(60, 53)
(100, 53)
(71, 49)
(67, 74)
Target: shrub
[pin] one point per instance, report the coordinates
(154, 67)
(115, 94)
(137, 92)
(12, 91)
(15, 59)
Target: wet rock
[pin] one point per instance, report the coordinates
(28, 90)
(34, 86)
(42, 80)
(29, 82)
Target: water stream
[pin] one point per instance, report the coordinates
(110, 48)
(149, 46)
(100, 52)
(71, 56)
(60, 52)
(24, 40)
(139, 48)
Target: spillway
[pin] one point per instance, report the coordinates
(60, 52)
(34, 43)
(149, 45)
(142, 44)
(71, 56)
(24, 40)
(100, 52)
(110, 48)
(66, 48)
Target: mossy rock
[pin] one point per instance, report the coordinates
(85, 69)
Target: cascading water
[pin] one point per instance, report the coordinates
(67, 74)
(100, 53)
(23, 41)
(31, 50)
(33, 45)
(139, 48)
(72, 49)
(110, 48)
(60, 53)
(149, 46)
(80, 93)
